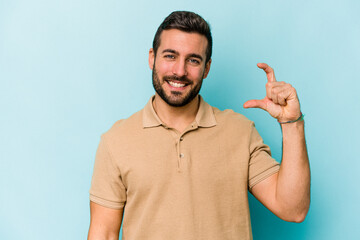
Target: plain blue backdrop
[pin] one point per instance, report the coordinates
(70, 68)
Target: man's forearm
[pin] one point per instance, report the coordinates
(293, 185)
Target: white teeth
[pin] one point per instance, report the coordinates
(178, 85)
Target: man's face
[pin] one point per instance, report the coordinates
(179, 66)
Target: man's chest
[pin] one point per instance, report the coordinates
(196, 161)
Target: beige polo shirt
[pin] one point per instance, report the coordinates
(181, 186)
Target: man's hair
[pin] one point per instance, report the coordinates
(188, 22)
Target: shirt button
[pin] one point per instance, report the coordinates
(181, 155)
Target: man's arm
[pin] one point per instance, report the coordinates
(286, 193)
(105, 222)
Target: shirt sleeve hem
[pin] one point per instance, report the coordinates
(263, 176)
(107, 203)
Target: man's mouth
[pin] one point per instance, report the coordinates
(176, 84)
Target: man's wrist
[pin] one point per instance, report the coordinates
(301, 118)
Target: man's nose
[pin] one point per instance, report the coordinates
(179, 68)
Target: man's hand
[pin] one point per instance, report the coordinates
(281, 100)
(286, 193)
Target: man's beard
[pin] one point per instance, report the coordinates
(175, 99)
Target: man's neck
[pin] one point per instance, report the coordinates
(176, 117)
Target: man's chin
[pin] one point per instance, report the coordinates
(177, 100)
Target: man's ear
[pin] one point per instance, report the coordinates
(207, 68)
(151, 58)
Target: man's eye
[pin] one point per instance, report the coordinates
(169, 56)
(194, 61)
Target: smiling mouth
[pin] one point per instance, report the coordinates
(176, 84)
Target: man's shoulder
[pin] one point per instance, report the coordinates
(125, 127)
(229, 116)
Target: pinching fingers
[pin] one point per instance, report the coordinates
(277, 92)
(270, 74)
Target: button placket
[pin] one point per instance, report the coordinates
(178, 156)
(179, 152)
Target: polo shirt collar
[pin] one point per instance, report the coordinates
(150, 118)
(204, 118)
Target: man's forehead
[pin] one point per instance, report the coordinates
(177, 39)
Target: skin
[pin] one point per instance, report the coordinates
(181, 54)
(286, 193)
(104, 222)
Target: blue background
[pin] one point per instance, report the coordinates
(70, 68)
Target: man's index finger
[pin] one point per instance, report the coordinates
(270, 74)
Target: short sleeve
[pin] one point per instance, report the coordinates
(107, 188)
(261, 164)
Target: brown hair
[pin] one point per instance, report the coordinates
(187, 22)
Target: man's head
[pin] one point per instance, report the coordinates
(187, 22)
(180, 57)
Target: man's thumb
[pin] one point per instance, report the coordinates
(255, 104)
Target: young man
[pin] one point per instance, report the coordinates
(181, 169)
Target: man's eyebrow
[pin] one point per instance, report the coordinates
(170, 51)
(196, 56)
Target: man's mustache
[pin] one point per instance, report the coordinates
(183, 79)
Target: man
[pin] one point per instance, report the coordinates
(181, 169)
